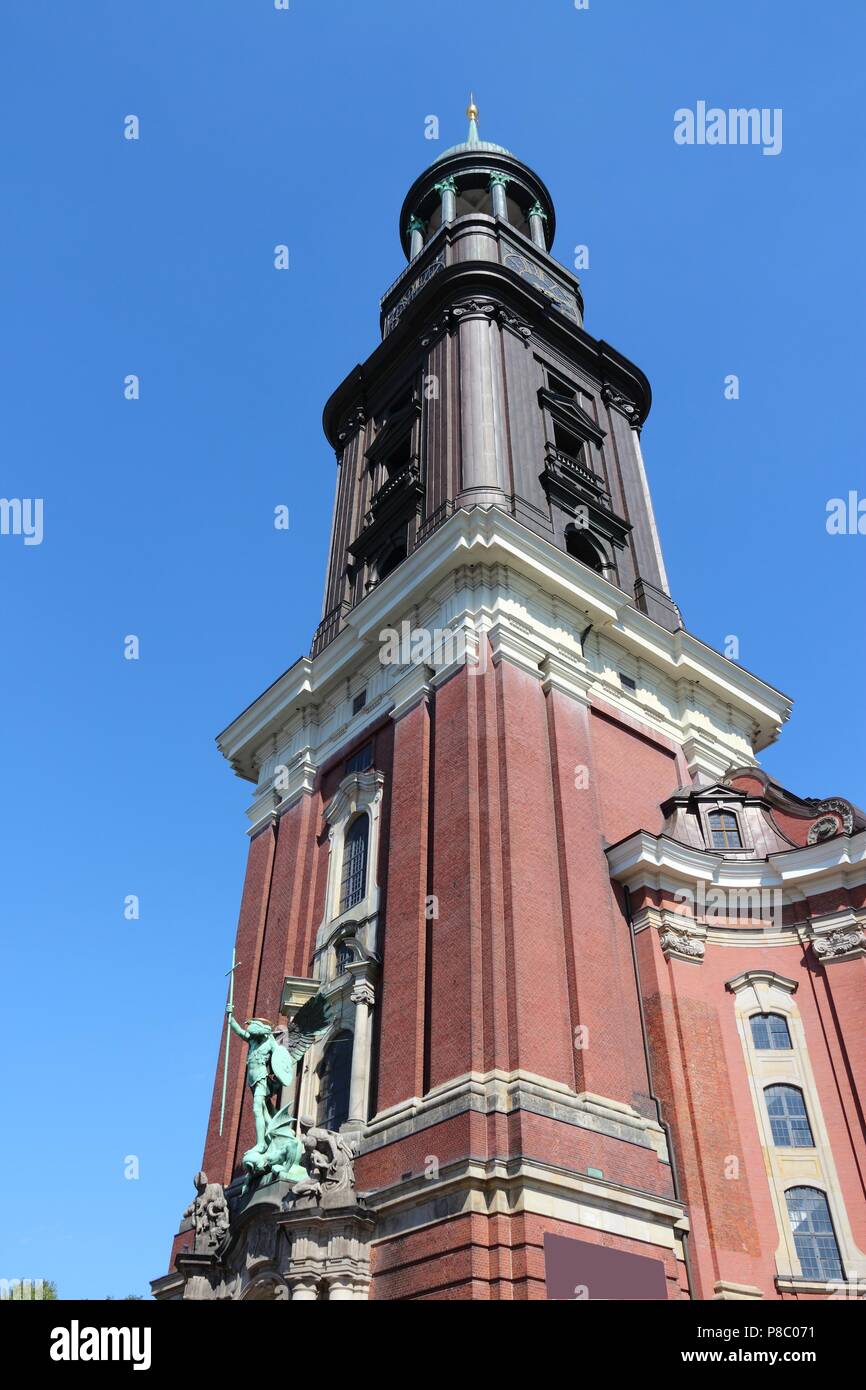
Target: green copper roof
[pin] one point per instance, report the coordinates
(474, 147)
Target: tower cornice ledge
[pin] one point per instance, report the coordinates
(502, 285)
(487, 536)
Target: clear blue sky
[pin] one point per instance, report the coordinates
(156, 257)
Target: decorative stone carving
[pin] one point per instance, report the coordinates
(529, 270)
(474, 308)
(842, 808)
(517, 325)
(260, 1243)
(207, 1216)
(681, 945)
(823, 829)
(844, 941)
(329, 1159)
(354, 421)
(394, 315)
(620, 402)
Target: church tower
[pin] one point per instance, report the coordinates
(462, 799)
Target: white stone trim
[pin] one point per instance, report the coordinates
(358, 793)
(503, 1092)
(482, 569)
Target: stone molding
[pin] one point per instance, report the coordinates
(498, 1092)
(508, 1187)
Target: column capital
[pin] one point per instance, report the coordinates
(362, 990)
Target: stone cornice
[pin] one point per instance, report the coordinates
(645, 858)
(489, 536)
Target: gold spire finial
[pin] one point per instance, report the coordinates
(472, 109)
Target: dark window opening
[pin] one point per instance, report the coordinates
(395, 556)
(581, 548)
(724, 830)
(354, 880)
(399, 456)
(770, 1032)
(788, 1119)
(473, 196)
(360, 761)
(567, 442)
(814, 1237)
(517, 216)
(335, 1072)
(359, 702)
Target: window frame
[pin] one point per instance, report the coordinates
(819, 1274)
(351, 878)
(788, 1117)
(770, 1047)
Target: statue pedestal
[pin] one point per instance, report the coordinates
(329, 1246)
(201, 1275)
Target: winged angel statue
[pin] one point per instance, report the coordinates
(271, 1065)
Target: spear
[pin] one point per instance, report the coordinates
(231, 1000)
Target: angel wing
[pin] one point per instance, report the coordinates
(308, 1024)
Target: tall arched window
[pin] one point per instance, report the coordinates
(335, 1072)
(770, 1032)
(353, 886)
(788, 1119)
(814, 1237)
(724, 830)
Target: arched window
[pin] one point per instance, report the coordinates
(724, 830)
(353, 886)
(788, 1119)
(770, 1031)
(581, 548)
(335, 1071)
(814, 1237)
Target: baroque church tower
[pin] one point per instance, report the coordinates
(504, 818)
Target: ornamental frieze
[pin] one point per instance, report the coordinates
(392, 318)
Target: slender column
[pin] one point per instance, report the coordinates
(537, 219)
(498, 184)
(362, 997)
(483, 443)
(416, 236)
(447, 190)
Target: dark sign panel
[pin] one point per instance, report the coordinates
(578, 1271)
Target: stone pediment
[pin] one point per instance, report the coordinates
(394, 430)
(567, 410)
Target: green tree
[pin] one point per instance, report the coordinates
(27, 1290)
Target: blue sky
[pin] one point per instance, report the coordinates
(155, 257)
